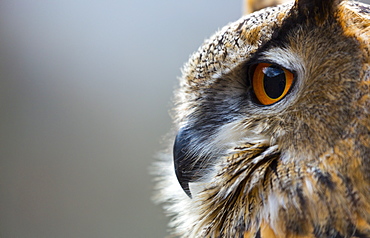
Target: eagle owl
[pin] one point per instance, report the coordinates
(272, 121)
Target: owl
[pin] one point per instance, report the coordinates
(272, 127)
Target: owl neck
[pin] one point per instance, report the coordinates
(264, 197)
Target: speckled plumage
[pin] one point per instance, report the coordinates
(297, 168)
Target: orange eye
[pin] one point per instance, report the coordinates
(271, 83)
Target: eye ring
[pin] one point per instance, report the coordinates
(271, 82)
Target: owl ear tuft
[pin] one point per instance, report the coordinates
(317, 11)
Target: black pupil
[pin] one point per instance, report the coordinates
(274, 81)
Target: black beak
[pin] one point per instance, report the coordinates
(189, 165)
(182, 161)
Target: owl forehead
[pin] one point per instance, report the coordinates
(239, 42)
(233, 44)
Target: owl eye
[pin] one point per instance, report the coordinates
(271, 83)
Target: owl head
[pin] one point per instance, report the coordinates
(273, 127)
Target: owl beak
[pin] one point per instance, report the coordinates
(182, 161)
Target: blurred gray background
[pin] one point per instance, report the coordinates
(85, 89)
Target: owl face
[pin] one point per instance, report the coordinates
(273, 127)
